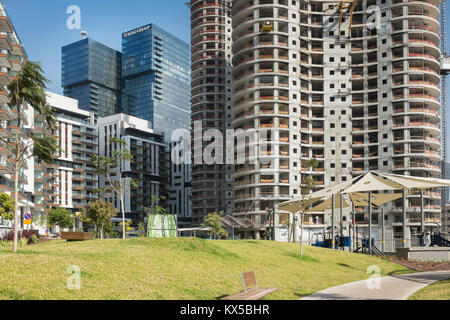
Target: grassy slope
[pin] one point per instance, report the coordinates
(437, 291)
(176, 269)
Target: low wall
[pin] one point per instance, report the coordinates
(424, 253)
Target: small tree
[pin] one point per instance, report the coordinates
(99, 214)
(28, 88)
(126, 227)
(112, 168)
(60, 217)
(309, 184)
(214, 221)
(6, 207)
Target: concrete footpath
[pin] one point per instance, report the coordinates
(387, 288)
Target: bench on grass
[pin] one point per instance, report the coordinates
(251, 289)
(77, 236)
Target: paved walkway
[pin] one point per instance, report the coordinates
(391, 288)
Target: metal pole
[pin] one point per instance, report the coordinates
(273, 223)
(422, 211)
(370, 222)
(333, 242)
(404, 218)
(342, 215)
(294, 231)
(383, 231)
(354, 228)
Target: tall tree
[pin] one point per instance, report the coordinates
(99, 214)
(28, 88)
(112, 168)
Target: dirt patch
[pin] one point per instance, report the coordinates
(421, 265)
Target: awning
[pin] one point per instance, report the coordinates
(297, 204)
(328, 192)
(327, 205)
(378, 199)
(371, 182)
(411, 182)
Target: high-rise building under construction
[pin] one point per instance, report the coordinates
(352, 84)
(211, 103)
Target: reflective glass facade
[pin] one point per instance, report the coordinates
(91, 74)
(156, 78)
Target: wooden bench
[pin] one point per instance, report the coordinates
(251, 289)
(77, 236)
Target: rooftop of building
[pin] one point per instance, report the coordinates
(153, 27)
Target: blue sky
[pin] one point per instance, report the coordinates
(41, 25)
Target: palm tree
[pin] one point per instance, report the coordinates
(28, 88)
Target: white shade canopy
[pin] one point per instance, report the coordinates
(371, 182)
(296, 204)
(416, 182)
(358, 187)
(378, 199)
(327, 205)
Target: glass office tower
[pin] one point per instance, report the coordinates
(91, 73)
(156, 78)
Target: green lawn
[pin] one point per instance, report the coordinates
(176, 269)
(437, 291)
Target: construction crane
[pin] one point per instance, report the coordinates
(344, 7)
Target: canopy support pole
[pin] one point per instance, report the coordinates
(422, 220)
(342, 216)
(333, 242)
(370, 222)
(354, 228)
(404, 219)
(383, 231)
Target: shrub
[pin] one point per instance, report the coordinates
(24, 234)
(34, 239)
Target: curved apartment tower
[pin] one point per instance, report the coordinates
(211, 103)
(266, 99)
(355, 94)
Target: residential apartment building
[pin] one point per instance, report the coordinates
(354, 97)
(91, 73)
(149, 167)
(180, 191)
(12, 56)
(211, 105)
